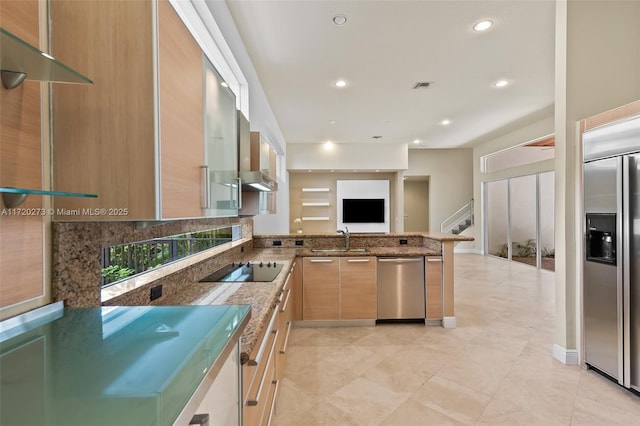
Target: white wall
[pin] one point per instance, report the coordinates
(354, 188)
(361, 157)
(450, 174)
(597, 69)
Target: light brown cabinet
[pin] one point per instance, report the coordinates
(339, 288)
(358, 297)
(23, 240)
(296, 287)
(285, 322)
(321, 288)
(136, 137)
(259, 380)
(433, 266)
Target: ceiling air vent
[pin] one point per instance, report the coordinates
(422, 85)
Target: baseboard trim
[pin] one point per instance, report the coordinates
(335, 323)
(565, 356)
(467, 251)
(449, 322)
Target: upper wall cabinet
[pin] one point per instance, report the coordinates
(137, 136)
(221, 146)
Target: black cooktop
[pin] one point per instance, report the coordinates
(240, 272)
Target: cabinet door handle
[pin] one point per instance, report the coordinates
(439, 259)
(207, 194)
(286, 339)
(286, 301)
(357, 260)
(400, 259)
(239, 193)
(286, 283)
(320, 260)
(263, 346)
(275, 383)
(256, 400)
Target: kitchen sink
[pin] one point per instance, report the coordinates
(341, 250)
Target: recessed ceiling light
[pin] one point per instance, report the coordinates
(501, 83)
(332, 121)
(417, 141)
(483, 25)
(328, 144)
(341, 83)
(339, 19)
(224, 84)
(445, 122)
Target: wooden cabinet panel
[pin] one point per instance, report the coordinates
(321, 288)
(433, 267)
(358, 296)
(22, 237)
(104, 134)
(259, 373)
(296, 287)
(181, 116)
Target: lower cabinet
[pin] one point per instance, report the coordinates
(261, 375)
(339, 288)
(220, 405)
(433, 266)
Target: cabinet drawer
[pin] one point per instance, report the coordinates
(254, 368)
(257, 407)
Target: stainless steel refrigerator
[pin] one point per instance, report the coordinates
(611, 297)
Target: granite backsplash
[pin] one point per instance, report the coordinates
(77, 267)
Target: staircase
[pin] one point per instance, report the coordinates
(459, 221)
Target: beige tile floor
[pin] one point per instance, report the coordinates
(496, 368)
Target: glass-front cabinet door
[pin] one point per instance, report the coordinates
(221, 189)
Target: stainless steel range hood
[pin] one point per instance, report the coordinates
(258, 188)
(253, 179)
(257, 181)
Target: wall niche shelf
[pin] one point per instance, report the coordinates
(19, 61)
(318, 204)
(315, 189)
(13, 197)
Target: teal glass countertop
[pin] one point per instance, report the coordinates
(113, 365)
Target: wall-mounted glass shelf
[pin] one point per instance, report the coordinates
(19, 61)
(315, 189)
(308, 218)
(13, 197)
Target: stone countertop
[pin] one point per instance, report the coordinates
(260, 295)
(438, 236)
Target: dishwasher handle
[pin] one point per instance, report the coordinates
(399, 259)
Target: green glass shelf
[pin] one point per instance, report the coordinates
(19, 60)
(13, 197)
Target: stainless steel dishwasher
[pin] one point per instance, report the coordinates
(401, 293)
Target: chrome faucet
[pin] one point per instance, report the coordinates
(345, 232)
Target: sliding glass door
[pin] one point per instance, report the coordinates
(519, 217)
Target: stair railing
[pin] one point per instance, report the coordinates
(460, 220)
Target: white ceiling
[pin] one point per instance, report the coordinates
(383, 50)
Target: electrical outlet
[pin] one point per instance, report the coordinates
(156, 292)
(403, 242)
(299, 242)
(277, 243)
